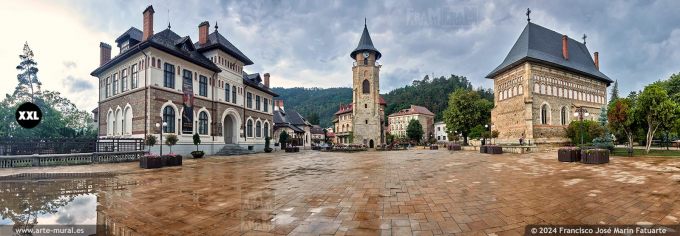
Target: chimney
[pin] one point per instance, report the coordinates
(266, 80)
(597, 60)
(203, 32)
(104, 53)
(148, 23)
(565, 48)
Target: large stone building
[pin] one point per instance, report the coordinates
(362, 122)
(195, 88)
(398, 121)
(544, 78)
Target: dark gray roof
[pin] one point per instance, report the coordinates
(539, 44)
(217, 41)
(132, 33)
(169, 42)
(365, 44)
(316, 129)
(255, 81)
(290, 119)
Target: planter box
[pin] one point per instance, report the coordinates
(482, 149)
(568, 154)
(151, 163)
(173, 160)
(434, 147)
(198, 154)
(292, 149)
(494, 149)
(595, 156)
(454, 147)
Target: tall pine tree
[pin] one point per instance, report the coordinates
(615, 92)
(29, 85)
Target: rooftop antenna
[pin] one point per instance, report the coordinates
(528, 15)
(584, 39)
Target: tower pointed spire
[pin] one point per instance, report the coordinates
(365, 44)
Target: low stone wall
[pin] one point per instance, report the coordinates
(508, 149)
(209, 149)
(68, 159)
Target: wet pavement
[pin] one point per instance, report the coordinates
(419, 192)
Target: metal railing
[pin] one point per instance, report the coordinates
(41, 146)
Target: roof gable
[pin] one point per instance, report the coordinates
(217, 41)
(537, 43)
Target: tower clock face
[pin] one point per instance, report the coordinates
(366, 54)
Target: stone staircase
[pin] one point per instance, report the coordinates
(233, 149)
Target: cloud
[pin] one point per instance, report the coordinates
(307, 43)
(77, 85)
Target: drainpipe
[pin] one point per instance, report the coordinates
(147, 119)
(212, 133)
(245, 132)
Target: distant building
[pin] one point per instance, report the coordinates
(440, 132)
(544, 78)
(193, 87)
(398, 122)
(317, 134)
(296, 126)
(362, 122)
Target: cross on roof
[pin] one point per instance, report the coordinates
(584, 38)
(528, 15)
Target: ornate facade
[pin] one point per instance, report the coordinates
(541, 82)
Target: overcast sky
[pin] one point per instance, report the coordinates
(307, 43)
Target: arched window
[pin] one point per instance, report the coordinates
(366, 87)
(258, 129)
(266, 129)
(544, 114)
(127, 121)
(536, 90)
(365, 61)
(110, 120)
(249, 129)
(117, 127)
(203, 123)
(563, 116)
(169, 118)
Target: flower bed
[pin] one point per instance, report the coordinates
(173, 159)
(349, 148)
(454, 147)
(151, 161)
(595, 156)
(494, 149)
(569, 154)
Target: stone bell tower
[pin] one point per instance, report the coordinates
(368, 113)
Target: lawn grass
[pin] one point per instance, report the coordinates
(672, 152)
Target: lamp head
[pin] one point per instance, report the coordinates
(158, 125)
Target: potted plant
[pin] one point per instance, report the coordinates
(151, 161)
(267, 149)
(172, 159)
(197, 141)
(595, 156)
(569, 154)
(150, 141)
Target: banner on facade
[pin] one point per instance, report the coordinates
(188, 103)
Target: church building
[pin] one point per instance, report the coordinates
(362, 122)
(545, 78)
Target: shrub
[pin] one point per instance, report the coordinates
(591, 129)
(197, 140)
(171, 140)
(150, 141)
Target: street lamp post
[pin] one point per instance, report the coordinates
(165, 124)
(486, 127)
(581, 113)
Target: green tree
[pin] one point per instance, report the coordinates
(414, 130)
(283, 138)
(171, 140)
(466, 110)
(591, 130)
(150, 141)
(29, 84)
(615, 92)
(654, 108)
(314, 118)
(197, 140)
(621, 118)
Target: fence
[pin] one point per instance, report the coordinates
(56, 152)
(14, 146)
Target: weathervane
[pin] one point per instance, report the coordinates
(168, 18)
(528, 13)
(584, 39)
(216, 26)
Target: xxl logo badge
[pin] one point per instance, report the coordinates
(28, 115)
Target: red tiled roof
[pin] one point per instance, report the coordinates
(382, 101)
(413, 110)
(344, 109)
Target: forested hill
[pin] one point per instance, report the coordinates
(430, 93)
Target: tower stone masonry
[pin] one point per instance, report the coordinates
(368, 112)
